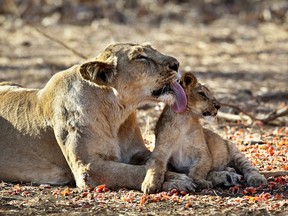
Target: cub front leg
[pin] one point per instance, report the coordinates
(199, 171)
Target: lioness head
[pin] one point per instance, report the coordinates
(138, 73)
(200, 100)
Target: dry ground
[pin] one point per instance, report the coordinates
(245, 65)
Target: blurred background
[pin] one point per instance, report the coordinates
(154, 12)
(239, 48)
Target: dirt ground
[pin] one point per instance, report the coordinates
(244, 63)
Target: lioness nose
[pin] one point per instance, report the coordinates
(174, 65)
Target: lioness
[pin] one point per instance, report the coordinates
(82, 125)
(191, 149)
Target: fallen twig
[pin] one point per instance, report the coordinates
(60, 42)
(268, 174)
(229, 116)
(249, 117)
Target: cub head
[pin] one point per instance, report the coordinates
(139, 74)
(200, 100)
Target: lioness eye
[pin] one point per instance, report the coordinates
(141, 57)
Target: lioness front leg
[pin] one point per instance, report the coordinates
(119, 175)
(131, 143)
(154, 178)
(91, 168)
(156, 168)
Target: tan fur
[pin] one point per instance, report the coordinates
(189, 148)
(82, 125)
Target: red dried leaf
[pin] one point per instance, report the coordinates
(85, 194)
(271, 151)
(188, 204)
(252, 199)
(250, 190)
(278, 197)
(65, 192)
(143, 200)
(101, 188)
(234, 189)
(56, 192)
(264, 196)
(17, 188)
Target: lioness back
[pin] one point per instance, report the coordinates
(17, 133)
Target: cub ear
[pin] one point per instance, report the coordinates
(135, 52)
(188, 79)
(101, 73)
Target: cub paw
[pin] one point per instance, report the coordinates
(152, 183)
(255, 180)
(178, 181)
(202, 183)
(231, 179)
(230, 169)
(225, 178)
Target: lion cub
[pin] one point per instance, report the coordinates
(189, 148)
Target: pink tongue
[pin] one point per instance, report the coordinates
(181, 100)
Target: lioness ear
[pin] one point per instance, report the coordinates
(98, 72)
(188, 79)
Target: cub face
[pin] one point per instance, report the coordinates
(138, 73)
(200, 100)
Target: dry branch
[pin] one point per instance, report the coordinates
(273, 96)
(60, 42)
(249, 117)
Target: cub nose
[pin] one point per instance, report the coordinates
(217, 105)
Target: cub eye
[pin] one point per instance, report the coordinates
(202, 94)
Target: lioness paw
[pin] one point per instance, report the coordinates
(180, 182)
(151, 184)
(255, 180)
